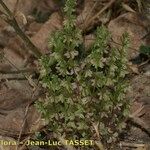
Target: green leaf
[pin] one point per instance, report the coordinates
(145, 50)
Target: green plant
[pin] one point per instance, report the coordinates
(85, 88)
(145, 50)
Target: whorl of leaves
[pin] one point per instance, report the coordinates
(84, 89)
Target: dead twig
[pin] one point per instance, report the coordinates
(137, 113)
(30, 70)
(144, 63)
(25, 116)
(24, 143)
(139, 122)
(25, 76)
(10, 19)
(135, 120)
(89, 13)
(13, 78)
(22, 126)
(16, 7)
(132, 145)
(99, 13)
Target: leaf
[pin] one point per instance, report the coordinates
(88, 73)
(145, 50)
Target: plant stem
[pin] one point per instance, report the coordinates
(26, 40)
(10, 19)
